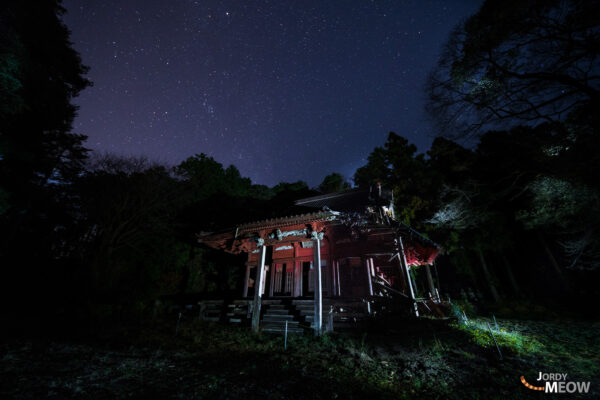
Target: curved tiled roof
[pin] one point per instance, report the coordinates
(289, 220)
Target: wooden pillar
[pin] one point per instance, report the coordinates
(368, 262)
(258, 288)
(297, 272)
(334, 278)
(337, 271)
(318, 289)
(297, 279)
(245, 293)
(402, 258)
(430, 280)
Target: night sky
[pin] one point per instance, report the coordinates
(284, 90)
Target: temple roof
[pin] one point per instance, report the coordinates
(355, 200)
(324, 215)
(354, 208)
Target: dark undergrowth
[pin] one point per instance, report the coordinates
(389, 359)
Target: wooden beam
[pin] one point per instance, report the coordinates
(402, 258)
(258, 288)
(318, 289)
(337, 270)
(334, 278)
(430, 280)
(368, 262)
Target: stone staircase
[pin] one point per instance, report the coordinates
(305, 310)
(298, 313)
(275, 316)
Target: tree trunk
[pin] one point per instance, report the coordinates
(511, 276)
(488, 276)
(550, 256)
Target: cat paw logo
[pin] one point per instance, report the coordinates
(556, 383)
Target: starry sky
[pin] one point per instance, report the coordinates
(284, 90)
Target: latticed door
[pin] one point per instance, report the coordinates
(283, 281)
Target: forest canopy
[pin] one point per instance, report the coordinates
(517, 62)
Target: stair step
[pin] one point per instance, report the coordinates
(271, 302)
(211, 319)
(279, 330)
(277, 312)
(295, 302)
(280, 324)
(277, 307)
(271, 317)
(277, 321)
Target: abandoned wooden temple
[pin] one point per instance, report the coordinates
(328, 266)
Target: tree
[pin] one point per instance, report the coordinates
(40, 74)
(517, 62)
(333, 183)
(207, 177)
(572, 211)
(39, 79)
(398, 167)
(126, 225)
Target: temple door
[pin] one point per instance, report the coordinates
(308, 282)
(283, 280)
(308, 278)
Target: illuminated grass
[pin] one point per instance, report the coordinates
(513, 341)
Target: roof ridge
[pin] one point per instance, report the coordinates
(328, 195)
(272, 220)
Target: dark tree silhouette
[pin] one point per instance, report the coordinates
(398, 167)
(516, 62)
(333, 183)
(40, 74)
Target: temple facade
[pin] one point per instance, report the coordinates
(348, 246)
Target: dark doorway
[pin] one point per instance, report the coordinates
(308, 283)
(353, 279)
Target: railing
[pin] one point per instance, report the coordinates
(385, 285)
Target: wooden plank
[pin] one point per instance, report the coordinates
(368, 262)
(430, 279)
(245, 293)
(337, 269)
(258, 288)
(318, 287)
(402, 258)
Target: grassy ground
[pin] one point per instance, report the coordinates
(390, 359)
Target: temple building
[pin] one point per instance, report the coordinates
(329, 264)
